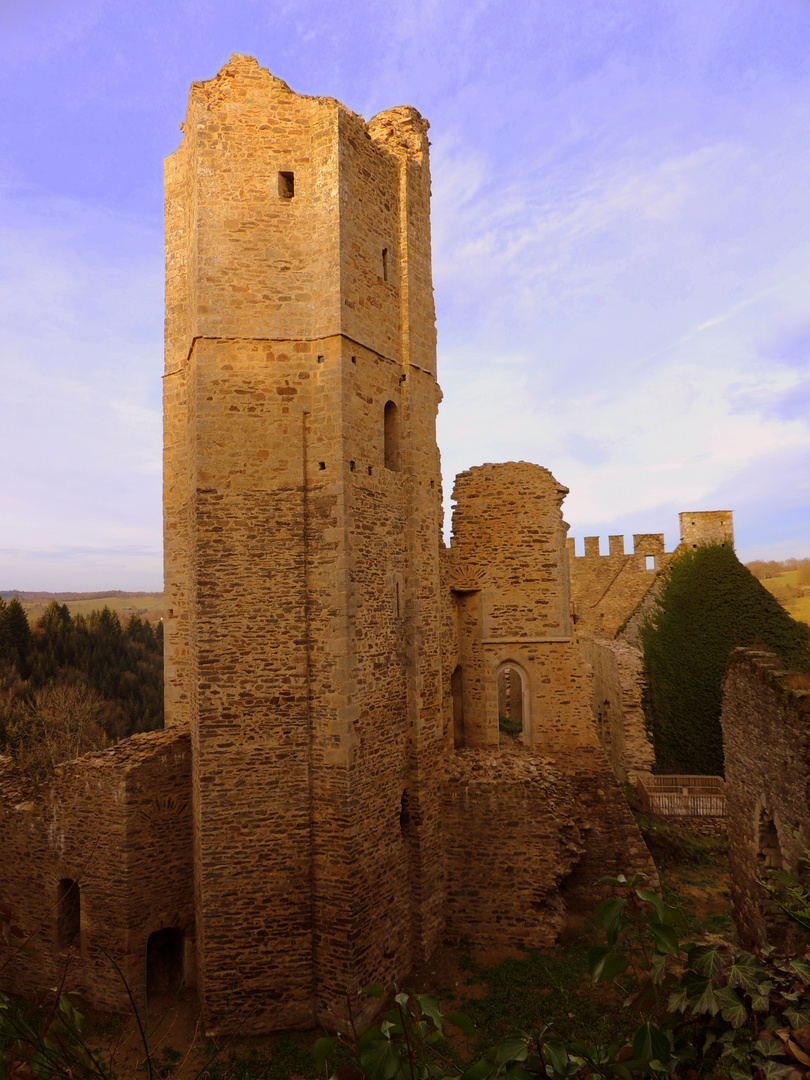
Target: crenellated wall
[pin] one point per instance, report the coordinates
(606, 588)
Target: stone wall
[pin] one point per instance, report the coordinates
(511, 822)
(766, 741)
(332, 762)
(617, 686)
(706, 527)
(117, 823)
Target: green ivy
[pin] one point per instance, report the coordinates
(710, 605)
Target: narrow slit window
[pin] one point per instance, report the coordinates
(68, 914)
(457, 690)
(391, 436)
(286, 185)
(385, 264)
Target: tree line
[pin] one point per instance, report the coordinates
(763, 569)
(70, 684)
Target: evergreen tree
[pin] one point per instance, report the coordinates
(16, 636)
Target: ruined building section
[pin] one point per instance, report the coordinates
(612, 594)
(765, 721)
(302, 509)
(510, 622)
(606, 590)
(97, 863)
(332, 765)
(617, 689)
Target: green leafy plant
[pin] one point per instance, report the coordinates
(405, 1041)
(692, 1010)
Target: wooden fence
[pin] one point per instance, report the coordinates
(683, 796)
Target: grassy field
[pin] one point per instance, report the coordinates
(794, 598)
(147, 605)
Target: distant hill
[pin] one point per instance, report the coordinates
(148, 605)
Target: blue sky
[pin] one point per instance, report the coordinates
(621, 251)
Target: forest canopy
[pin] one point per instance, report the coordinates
(70, 684)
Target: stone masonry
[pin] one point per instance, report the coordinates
(332, 760)
(766, 744)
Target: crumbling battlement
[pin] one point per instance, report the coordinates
(607, 588)
(766, 745)
(611, 595)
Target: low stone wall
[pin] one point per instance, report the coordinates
(117, 823)
(704, 826)
(766, 740)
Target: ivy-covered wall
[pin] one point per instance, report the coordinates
(710, 605)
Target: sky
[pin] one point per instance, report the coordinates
(621, 243)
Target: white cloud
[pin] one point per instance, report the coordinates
(80, 444)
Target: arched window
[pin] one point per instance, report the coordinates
(457, 690)
(391, 436)
(164, 962)
(68, 914)
(512, 700)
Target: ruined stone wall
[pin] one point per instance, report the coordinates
(612, 596)
(302, 508)
(616, 702)
(766, 743)
(513, 837)
(508, 574)
(118, 823)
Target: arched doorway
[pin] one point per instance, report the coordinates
(164, 962)
(513, 700)
(771, 861)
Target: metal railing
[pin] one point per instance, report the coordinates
(683, 796)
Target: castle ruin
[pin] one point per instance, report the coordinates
(333, 794)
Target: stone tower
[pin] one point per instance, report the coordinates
(700, 527)
(302, 511)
